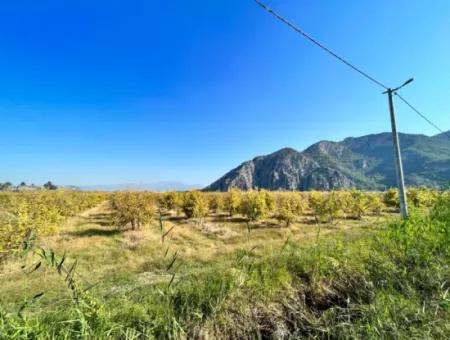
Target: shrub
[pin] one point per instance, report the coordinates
(290, 207)
(232, 201)
(216, 202)
(133, 208)
(41, 212)
(316, 201)
(170, 200)
(375, 203)
(326, 206)
(12, 229)
(195, 204)
(357, 204)
(391, 198)
(254, 205)
(269, 197)
(420, 197)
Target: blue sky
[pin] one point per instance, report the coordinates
(106, 92)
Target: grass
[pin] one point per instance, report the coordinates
(109, 255)
(361, 279)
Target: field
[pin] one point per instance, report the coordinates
(232, 265)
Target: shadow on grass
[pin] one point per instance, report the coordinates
(175, 218)
(103, 223)
(102, 219)
(101, 216)
(266, 225)
(308, 221)
(96, 232)
(226, 218)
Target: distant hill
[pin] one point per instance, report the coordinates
(155, 186)
(365, 162)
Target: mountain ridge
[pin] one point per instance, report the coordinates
(365, 162)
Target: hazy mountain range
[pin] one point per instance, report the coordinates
(154, 186)
(365, 162)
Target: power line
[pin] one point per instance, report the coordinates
(316, 42)
(357, 69)
(446, 133)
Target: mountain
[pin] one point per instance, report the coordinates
(155, 186)
(365, 162)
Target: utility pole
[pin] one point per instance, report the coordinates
(398, 156)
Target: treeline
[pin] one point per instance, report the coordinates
(39, 211)
(136, 209)
(43, 211)
(8, 186)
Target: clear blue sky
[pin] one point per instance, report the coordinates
(103, 92)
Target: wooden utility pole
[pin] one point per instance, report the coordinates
(398, 156)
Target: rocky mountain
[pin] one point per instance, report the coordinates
(365, 162)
